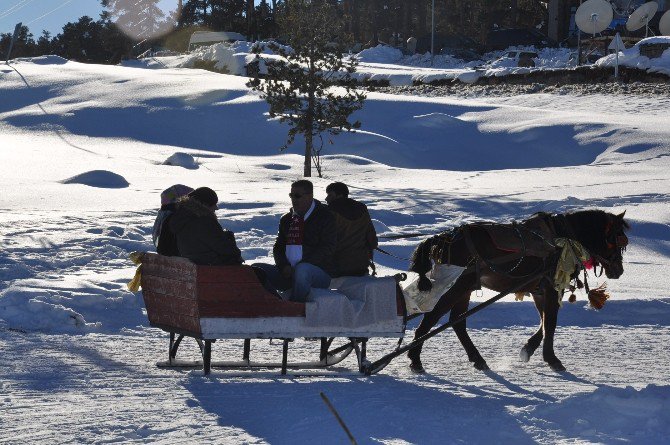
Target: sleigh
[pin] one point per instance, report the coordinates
(217, 303)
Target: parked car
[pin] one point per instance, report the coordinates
(500, 39)
(514, 58)
(457, 46)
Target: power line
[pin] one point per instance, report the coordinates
(53, 10)
(14, 8)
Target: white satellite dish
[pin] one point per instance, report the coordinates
(593, 16)
(641, 16)
(664, 24)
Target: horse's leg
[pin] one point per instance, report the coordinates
(549, 323)
(474, 356)
(536, 339)
(430, 319)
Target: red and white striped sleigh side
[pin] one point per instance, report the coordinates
(210, 303)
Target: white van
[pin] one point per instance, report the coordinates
(203, 38)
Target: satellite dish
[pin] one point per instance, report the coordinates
(641, 16)
(594, 16)
(664, 24)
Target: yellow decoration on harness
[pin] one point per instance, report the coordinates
(573, 254)
(136, 258)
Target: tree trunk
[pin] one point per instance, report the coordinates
(309, 144)
(250, 18)
(356, 21)
(375, 22)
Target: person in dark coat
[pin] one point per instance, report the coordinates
(305, 244)
(356, 236)
(200, 237)
(163, 238)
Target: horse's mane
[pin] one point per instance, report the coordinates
(587, 226)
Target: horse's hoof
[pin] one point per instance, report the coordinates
(481, 365)
(557, 366)
(417, 368)
(525, 354)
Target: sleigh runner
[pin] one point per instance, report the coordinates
(210, 303)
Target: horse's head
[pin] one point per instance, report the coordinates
(610, 253)
(603, 235)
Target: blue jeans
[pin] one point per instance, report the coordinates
(305, 276)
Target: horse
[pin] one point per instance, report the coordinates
(502, 257)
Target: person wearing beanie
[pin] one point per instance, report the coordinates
(356, 236)
(200, 237)
(163, 238)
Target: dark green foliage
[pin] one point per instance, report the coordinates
(299, 90)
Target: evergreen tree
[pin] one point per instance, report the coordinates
(299, 90)
(80, 41)
(44, 44)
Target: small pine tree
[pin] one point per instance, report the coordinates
(299, 89)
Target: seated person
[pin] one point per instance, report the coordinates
(305, 245)
(356, 236)
(162, 235)
(200, 237)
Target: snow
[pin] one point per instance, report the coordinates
(384, 63)
(181, 160)
(631, 57)
(83, 151)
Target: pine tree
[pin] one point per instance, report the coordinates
(299, 90)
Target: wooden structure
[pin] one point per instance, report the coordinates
(209, 303)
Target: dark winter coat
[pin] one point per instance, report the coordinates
(200, 237)
(356, 237)
(164, 239)
(319, 239)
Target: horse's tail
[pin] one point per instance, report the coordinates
(421, 264)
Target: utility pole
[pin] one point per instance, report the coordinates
(17, 30)
(432, 32)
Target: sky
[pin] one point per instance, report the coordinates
(52, 14)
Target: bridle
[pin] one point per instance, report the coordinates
(613, 240)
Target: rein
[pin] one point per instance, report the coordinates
(379, 249)
(402, 235)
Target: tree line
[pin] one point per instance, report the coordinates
(124, 28)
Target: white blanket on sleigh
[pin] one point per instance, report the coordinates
(352, 302)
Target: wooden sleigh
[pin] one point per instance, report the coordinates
(210, 303)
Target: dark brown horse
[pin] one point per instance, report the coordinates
(502, 256)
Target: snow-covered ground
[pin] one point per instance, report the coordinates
(83, 151)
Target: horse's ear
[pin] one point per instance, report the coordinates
(621, 215)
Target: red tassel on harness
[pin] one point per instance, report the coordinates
(598, 296)
(588, 264)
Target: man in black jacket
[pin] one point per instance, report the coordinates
(200, 237)
(356, 236)
(305, 244)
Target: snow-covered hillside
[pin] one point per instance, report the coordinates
(83, 151)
